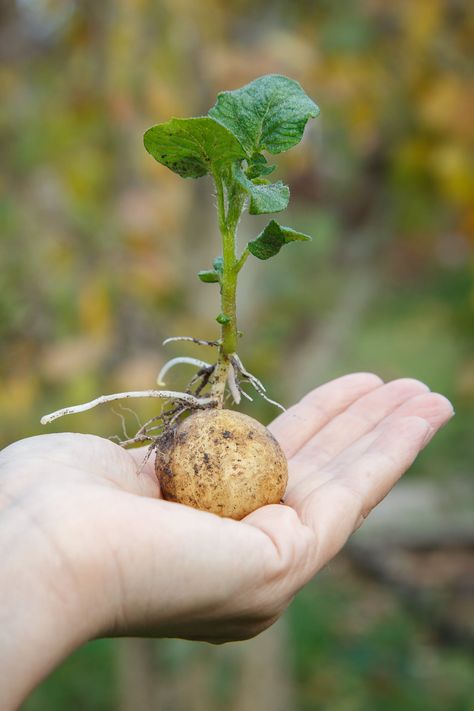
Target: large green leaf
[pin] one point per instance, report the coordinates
(271, 240)
(193, 147)
(269, 113)
(264, 197)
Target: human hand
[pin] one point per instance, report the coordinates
(92, 549)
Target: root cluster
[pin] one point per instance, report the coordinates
(206, 390)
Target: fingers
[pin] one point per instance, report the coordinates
(384, 461)
(300, 422)
(336, 508)
(347, 427)
(316, 467)
(434, 408)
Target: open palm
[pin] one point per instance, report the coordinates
(146, 566)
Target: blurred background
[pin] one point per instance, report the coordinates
(99, 249)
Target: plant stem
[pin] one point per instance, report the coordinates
(228, 282)
(241, 261)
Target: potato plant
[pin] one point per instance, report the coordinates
(208, 456)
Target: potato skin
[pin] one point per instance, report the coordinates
(222, 461)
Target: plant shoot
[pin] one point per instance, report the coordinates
(207, 456)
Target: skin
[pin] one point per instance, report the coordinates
(89, 549)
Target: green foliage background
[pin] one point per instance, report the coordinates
(100, 245)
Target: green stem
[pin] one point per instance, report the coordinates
(228, 282)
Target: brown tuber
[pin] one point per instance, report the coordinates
(222, 461)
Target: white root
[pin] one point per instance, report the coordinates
(177, 415)
(199, 341)
(259, 387)
(122, 420)
(191, 400)
(132, 412)
(133, 440)
(249, 376)
(145, 459)
(201, 364)
(233, 387)
(269, 400)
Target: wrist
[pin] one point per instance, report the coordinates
(44, 614)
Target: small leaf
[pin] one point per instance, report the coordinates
(218, 264)
(223, 319)
(269, 114)
(193, 147)
(258, 166)
(271, 240)
(211, 276)
(208, 276)
(265, 170)
(265, 197)
(269, 198)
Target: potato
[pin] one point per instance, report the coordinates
(222, 461)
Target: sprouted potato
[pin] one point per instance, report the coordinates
(222, 461)
(207, 456)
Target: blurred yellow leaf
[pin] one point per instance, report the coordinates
(447, 104)
(465, 380)
(421, 20)
(455, 172)
(94, 308)
(17, 395)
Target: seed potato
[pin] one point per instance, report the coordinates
(222, 461)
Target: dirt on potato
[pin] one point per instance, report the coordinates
(222, 461)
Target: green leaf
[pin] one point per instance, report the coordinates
(269, 198)
(208, 276)
(218, 264)
(271, 240)
(258, 167)
(223, 319)
(193, 147)
(264, 197)
(211, 276)
(269, 114)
